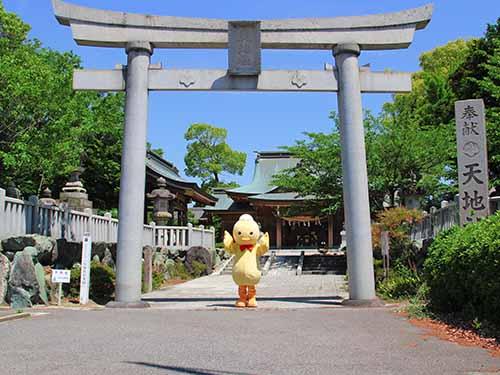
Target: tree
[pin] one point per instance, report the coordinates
(158, 151)
(208, 155)
(319, 172)
(478, 77)
(46, 129)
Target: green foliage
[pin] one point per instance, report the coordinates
(198, 269)
(47, 129)
(319, 171)
(462, 270)
(208, 155)
(158, 279)
(418, 304)
(102, 283)
(401, 283)
(157, 151)
(178, 271)
(398, 221)
(479, 78)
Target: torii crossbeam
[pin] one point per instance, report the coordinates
(344, 36)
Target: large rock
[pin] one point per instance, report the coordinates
(18, 243)
(108, 259)
(172, 253)
(40, 278)
(70, 253)
(53, 288)
(19, 298)
(26, 281)
(199, 254)
(99, 248)
(46, 247)
(4, 277)
(159, 262)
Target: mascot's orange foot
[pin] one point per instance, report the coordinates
(252, 300)
(240, 303)
(242, 291)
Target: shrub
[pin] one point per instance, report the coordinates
(402, 282)
(199, 269)
(158, 279)
(102, 283)
(462, 270)
(398, 221)
(178, 271)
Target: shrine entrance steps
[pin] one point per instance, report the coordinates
(299, 263)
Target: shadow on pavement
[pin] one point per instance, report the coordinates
(187, 370)
(318, 300)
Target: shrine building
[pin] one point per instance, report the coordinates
(290, 221)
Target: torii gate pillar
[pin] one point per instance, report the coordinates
(132, 182)
(355, 177)
(347, 36)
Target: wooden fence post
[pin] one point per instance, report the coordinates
(153, 233)
(202, 235)
(147, 252)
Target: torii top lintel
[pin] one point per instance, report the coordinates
(102, 28)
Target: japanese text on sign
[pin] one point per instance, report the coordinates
(472, 160)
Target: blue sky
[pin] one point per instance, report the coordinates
(256, 121)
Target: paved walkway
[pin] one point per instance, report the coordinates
(279, 289)
(303, 341)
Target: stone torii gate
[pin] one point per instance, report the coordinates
(346, 37)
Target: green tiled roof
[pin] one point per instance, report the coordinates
(280, 197)
(166, 169)
(267, 165)
(225, 203)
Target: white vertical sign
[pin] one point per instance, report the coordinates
(472, 160)
(85, 270)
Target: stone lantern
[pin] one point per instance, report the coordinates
(46, 200)
(160, 197)
(74, 193)
(12, 191)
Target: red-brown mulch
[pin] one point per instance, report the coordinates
(453, 333)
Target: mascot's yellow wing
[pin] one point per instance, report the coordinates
(263, 245)
(229, 244)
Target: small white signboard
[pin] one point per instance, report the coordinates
(61, 276)
(85, 270)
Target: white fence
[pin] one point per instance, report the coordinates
(442, 219)
(18, 217)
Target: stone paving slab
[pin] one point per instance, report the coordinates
(277, 290)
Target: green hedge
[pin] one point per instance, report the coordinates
(462, 270)
(102, 283)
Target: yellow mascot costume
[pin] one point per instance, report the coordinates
(247, 245)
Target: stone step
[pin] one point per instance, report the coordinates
(324, 265)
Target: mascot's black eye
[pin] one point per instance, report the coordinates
(251, 233)
(239, 233)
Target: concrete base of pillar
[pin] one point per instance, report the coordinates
(127, 305)
(363, 302)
